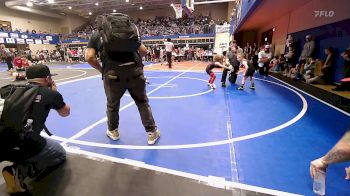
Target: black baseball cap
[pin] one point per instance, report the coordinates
(38, 71)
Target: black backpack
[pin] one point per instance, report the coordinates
(16, 104)
(118, 33)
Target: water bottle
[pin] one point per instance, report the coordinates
(319, 185)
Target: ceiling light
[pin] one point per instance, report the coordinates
(51, 1)
(127, 1)
(70, 7)
(96, 4)
(141, 8)
(172, 5)
(90, 13)
(114, 10)
(133, 4)
(29, 4)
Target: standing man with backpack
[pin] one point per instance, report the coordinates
(24, 112)
(118, 43)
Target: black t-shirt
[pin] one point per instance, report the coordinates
(32, 143)
(251, 67)
(46, 100)
(114, 60)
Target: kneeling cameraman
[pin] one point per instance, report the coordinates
(30, 153)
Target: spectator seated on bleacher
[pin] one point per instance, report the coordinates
(325, 76)
(298, 70)
(281, 64)
(309, 69)
(273, 63)
(345, 83)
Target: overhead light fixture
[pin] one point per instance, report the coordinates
(133, 4)
(127, 1)
(141, 8)
(96, 4)
(29, 4)
(90, 13)
(114, 10)
(70, 7)
(51, 1)
(172, 5)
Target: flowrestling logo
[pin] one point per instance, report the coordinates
(324, 13)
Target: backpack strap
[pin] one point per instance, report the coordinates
(47, 131)
(30, 113)
(100, 21)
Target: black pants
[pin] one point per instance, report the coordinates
(38, 165)
(9, 63)
(233, 73)
(168, 58)
(224, 75)
(255, 62)
(264, 71)
(116, 82)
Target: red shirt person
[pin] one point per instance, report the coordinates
(17, 61)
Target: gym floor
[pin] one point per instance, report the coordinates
(264, 138)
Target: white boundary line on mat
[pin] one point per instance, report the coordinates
(67, 78)
(223, 184)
